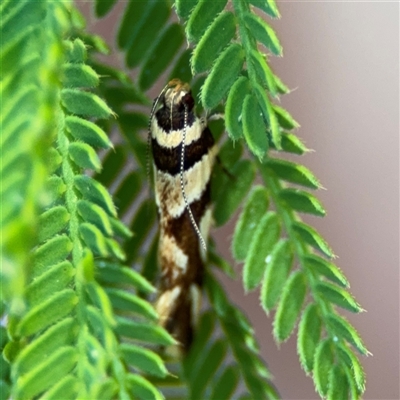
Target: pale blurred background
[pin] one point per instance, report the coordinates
(342, 57)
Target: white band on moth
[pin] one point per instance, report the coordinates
(172, 254)
(196, 179)
(174, 137)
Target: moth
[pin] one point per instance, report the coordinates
(183, 151)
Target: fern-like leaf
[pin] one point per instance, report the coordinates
(63, 343)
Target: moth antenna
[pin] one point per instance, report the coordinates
(153, 109)
(187, 206)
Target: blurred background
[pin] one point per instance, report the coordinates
(341, 58)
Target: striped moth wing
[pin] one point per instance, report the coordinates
(183, 156)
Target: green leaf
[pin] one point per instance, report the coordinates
(113, 164)
(95, 192)
(84, 103)
(100, 298)
(141, 224)
(253, 127)
(55, 188)
(132, 122)
(182, 67)
(79, 75)
(338, 386)
(338, 296)
(141, 388)
(343, 329)
(357, 371)
(52, 281)
(15, 19)
(143, 359)
(217, 297)
(312, 238)
(216, 38)
(127, 191)
(131, 22)
(148, 31)
(50, 253)
(114, 273)
(290, 306)
(229, 200)
(120, 229)
(226, 384)
(263, 33)
(285, 120)
(265, 237)
(115, 249)
(256, 206)
(3, 333)
(124, 301)
(203, 334)
(302, 201)
(265, 74)
(52, 222)
(48, 312)
(280, 86)
(276, 273)
(4, 390)
(65, 388)
(354, 393)
(292, 144)
(230, 153)
(52, 370)
(75, 51)
(94, 214)
(94, 239)
(54, 160)
(12, 348)
(326, 269)
(268, 6)
(308, 336)
(213, 358)
(144, 332)
(323, 364)
(220, 263)
(84, 156)
(234, 106)
(103, 7)
(222, 75)
(294, 173)
(269, 115)
(36, 352)
(87, 132)
(161, 55)
(106, 390)
(201, 18)
(118, 94)
(240, 335)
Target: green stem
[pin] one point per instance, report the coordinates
(71, 199)
(248, 42)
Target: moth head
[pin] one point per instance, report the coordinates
(178, 96)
